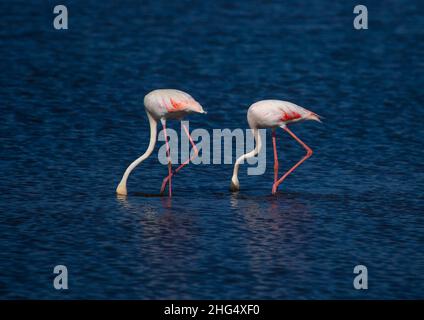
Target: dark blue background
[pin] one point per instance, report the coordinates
(72, 119)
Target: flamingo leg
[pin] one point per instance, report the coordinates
(308, 154)
(196, 152)
(168, 155)
(274, 144)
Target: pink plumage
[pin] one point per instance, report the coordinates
(171, 104)
(273, 114)
(161, 105)
(276, 113)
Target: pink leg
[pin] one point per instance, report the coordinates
(308, 154)
(168, 155)
(196, 152)
(274, 144)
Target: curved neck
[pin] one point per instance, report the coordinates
(153, 132)
(250, 154)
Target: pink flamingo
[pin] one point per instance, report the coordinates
(272, 114)
(164, 104)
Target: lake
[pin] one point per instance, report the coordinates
(73, 119)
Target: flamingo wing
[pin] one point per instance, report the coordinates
(290, 116)
(292, 112)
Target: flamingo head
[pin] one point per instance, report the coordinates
(122, 188)
(187, 105)
(235, 185)
(197, 107)
(194, 106)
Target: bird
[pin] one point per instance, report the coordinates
(273, 114)
(162, 105)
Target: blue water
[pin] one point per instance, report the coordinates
(72, 119)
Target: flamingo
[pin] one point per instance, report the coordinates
(273, 114)
(161, 105)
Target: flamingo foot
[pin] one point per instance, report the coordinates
(274, 188)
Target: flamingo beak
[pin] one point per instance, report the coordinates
(315, 117)
(202, 111)
(199, 109)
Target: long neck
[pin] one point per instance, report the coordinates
(234, 180)
(122, 187)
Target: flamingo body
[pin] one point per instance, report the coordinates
(170, 104)
(273, 114)
(276, 113)
(161, 105)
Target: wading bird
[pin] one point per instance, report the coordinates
(161, 105)
(273, 114)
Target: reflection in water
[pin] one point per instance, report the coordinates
(270, 232)
(274, 233)
(167, 202)
(234, 200)
(123, 201)
(167, 238)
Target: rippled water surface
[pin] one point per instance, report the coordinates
(72, 119)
